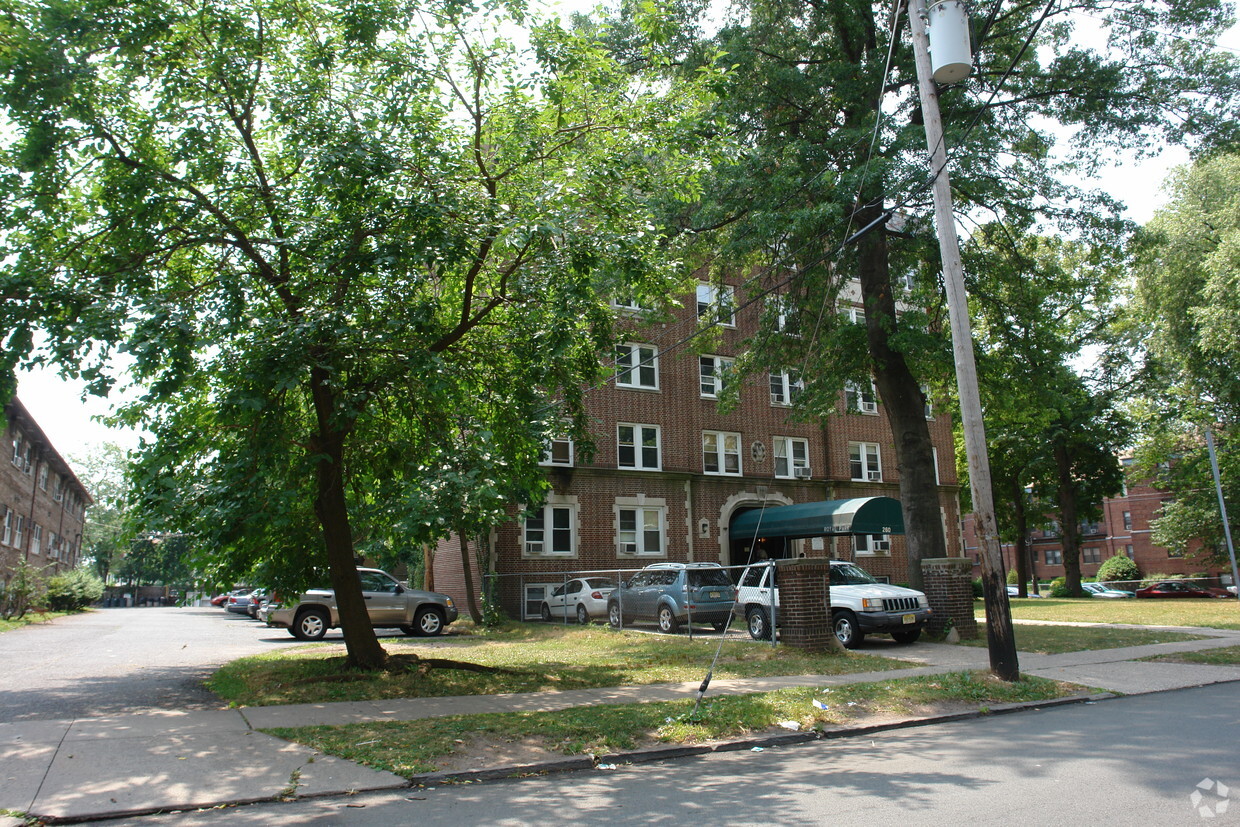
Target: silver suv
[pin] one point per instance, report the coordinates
(391, 606)
(674, 593)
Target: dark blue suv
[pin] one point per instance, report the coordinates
(674, 593)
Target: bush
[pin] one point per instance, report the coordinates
(1013, 577)
(1059, 587)
(978, 591)
(1118, 569)
(20, 592)
(72, 591)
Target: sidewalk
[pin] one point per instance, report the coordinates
(162, 760)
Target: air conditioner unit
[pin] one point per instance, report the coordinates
(628, 548)
(801, 473)
(868, 407)
(533, 548)
(874, 476)
(882, 545)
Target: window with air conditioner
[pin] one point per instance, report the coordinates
(637, 366)
(550, 531)
(637, 446)
(861, 398)
(864, 462)
(786, 386)
(640, 530)
(791, 458)
(871, 544)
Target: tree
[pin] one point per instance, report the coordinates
(309, 225)
(823, 106)
(103, 473)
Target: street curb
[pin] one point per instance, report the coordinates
(653, 754)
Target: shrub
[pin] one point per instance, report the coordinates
(1059, 587)
(72, 591)
(978, 591)
(1013, 577)
(20, 592)
(1118, 569)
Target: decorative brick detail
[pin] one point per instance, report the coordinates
(949, 587)
(804, 602)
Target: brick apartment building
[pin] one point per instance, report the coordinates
(42, 502)
(1124, 529)
(671, 473)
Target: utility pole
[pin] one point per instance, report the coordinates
(1002, 645)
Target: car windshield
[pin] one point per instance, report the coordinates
(850, 575)
(599, 583)
(709, 577)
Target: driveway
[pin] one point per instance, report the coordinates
(119, 660)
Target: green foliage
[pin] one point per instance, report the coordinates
(1013, 577)
(73, 590)
(21, 591)
(1059, 588)
(978, 589)
(1118, 569)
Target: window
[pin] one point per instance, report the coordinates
(721, 452)
(53, 545)
(17, 449)
(1129, 552)
(560, 452)
(715, 304)
(43, 474)
(1054, 557)
(637, 366)
(785, 387)
(551, 530)
(791, 458)
(7, 537)
(58, 488)
(782, 315)
(714, 370)
(1171, 552)
(853, 315)
(864, 462)
(934, 454)
(1128, 521)
(640, 530)
(929, 407)
(637, 446)
(860, 398)
(1091, 555)
(629, 305)
(871, 544)
(36, 538)
(19, 531)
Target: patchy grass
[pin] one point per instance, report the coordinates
(1227, 656)
(410, 747)
(526, 657)
(1054, 640)
(1218, 614)
(29, 619)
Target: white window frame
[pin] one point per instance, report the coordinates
(554, 504)
(7, 538)
(36, 538)
(713, 372)
(640, 432)
(629, 305)
(17, 448)
(786, 386)
(870, 457)
(854, 314)
(872, 545)
(19, 531)
(549, 454)
(929, 407)
(713, 300)
(44, 472)
(633, 543)
(58, 488)
(794, 467)
(934, 453)
(1058, 561)
(857, 398)
(720, 453)
(632, 360)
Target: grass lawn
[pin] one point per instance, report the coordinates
(1219, 614)
(28, 619)
(1227, 656)
(411, 747)
(1053, 640)
(528, 657)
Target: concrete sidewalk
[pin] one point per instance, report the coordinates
(161, 760)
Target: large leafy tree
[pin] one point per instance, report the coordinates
(822, 100)
(1183, 329)
(308, 224)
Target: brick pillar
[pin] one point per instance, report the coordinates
(804, 602)
(949, 587)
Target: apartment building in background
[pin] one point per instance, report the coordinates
(42, 502)
(671, 472)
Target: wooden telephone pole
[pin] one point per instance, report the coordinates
(1002, 645)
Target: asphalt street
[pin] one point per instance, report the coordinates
(1129, 760)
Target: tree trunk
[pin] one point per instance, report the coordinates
(471, 599)
(331, 507)
(428, 567)
(1068, 521)
(904, 405)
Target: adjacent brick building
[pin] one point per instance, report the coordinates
(671, 471)
(42, 502)
(1125, 528)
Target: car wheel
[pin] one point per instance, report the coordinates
(667, 621)
(906, 637)
(428, 622)
(719, 625)
(583, 617)
(614, 618)
(845, 626)
(759, 628)
(408, 631)
(310, 625)
(546, 613)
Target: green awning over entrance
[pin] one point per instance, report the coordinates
(862, 515)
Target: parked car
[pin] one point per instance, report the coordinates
(390, 603)
(1180, 588)
(581, 597)
(1014, 591)
(257, 598)
(238, 601)
(221, 600)
(860, 605)
(1106, 592)
(672, 594)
